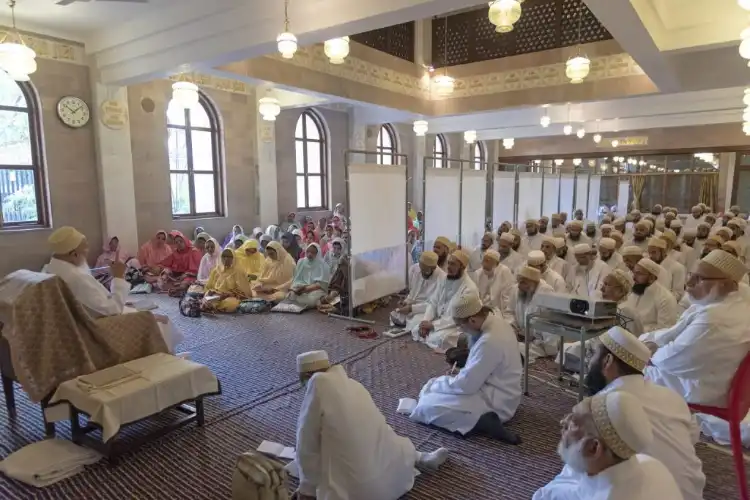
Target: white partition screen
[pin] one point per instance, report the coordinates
(529, 196)
(377, 208)
(566, 194)
(551, 194)
(441, 199)
(582, 183)
(623, 195)
(595, 187)
(503, 198)
(473, 205)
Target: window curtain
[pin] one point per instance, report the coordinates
(637, 182)
(708, 189)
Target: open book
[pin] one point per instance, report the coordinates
(277, 450)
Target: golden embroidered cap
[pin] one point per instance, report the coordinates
(507, 237)
(462, 257)
(492, 254)
(607, 226)
(726, 263)
(617, 235)
(581, 249)
(65, 240)
(312, 361)
(649, 265)
(644, 223)
(536, 258)
(555, 217)
(467, 305)
(624, 278)
(590, 223)
(626, 347)
(690, 232)
(669, 235)
(620, 221)
(529, 273)
(549, 239)
(607, 243)
(732, 245)
(544, 218)
(443, 241)
(631, 250)
(429, 258)
(704, 224)
(559, 242)
(575, 223)
(675, 224)
(658, 206)
(657, 243)
(725, 231)
(532, 221)
(622, 424)
(491, 235)
(635, 211)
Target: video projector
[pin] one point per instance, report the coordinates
(575, 305)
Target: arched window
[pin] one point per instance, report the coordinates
(22, 188)
(440, 152)
(195, 159)
(310, 146)
(478, 156)
(386, 146)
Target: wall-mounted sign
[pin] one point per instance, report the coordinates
(608, 142)
(114, 114)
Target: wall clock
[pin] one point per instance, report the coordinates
(73, 111)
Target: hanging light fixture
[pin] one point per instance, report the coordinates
(577, 68)
(615, 143)
(745, 44)
(420, 128)
(597, 138)
(286, 42)
(470, 136)
(509, 143)
(745, 4)
(568, 129)
(559, 162)
(504, 14)
(444, 84)
(576, 162)
(185, 93)
(337, 49)
(16, 59)
(746, 128)
(581, 132)
(269, 108)
(545, 120)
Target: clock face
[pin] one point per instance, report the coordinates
(73, 111)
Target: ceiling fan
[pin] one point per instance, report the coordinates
(68, 2)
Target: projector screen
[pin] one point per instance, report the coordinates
(377, 209)
(566, 195)
(473, 207)
(442, 196)
(551, 194)
(529, 196)
(503, 198)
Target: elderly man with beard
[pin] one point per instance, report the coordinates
(554, 262)
(575, 234)
(563, 218)
(591, 231)
(656, 211)
(521, 304)
(556, 226)
(619, 240)
(487, 390)
(578, 215)
(475, 261)
(424, 279)
(687, 247)
(543, 223)
(508, 257)
(737, 226)
(538, 260)
(606, 230)
(603, 444)
(620, 224)
(437, 328)
(640, 235)
(519, 245)
(672, 240)
(442, 247)
(695, 218)
(712, 243)
(617, 366)
(609, 255)
(702, 232)
(494, 281)
(674, 274)
(699, 355)
(505, 227)
(654, 305)
(589, 271)
(533, 239)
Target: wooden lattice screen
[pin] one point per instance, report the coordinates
(544, 25)
(395, 40)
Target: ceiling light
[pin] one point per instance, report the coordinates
(470, 136)
(286, 42)
(18, 60)
(545, 121)
(444, 85)
(746, 115)
(420, 128)
(337, 49)
(592, 163)
(615, 143)
(269, 108)
(577, 68)
(576, 161)
(745, 4)
(185, 94)
(745, 44)
(642, 163)
(508, 143)
(746, 128)
(581, 132)
(537, 162)
(746, 97)
(568, 129)
(504, 14)
(597, 138)
(559, 162)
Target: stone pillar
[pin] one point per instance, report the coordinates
(267, 181)
(420, 151)
(423, 42)
(110, 120)
(358, 137)
(725, 182)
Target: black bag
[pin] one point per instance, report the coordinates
(190, 306)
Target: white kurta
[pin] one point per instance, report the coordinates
(563, 268)
(699, 355)
(679, 276)
(444, 334)
(513, 261)
(570, 256)
(345, 448)
(475, 259)
(656, 308)
(494, 288)
(533, 242)
(553, 279)
(588, 280)
(490, 382)
(420, 290)
(691, 222)
(615, 262)
(643, 244)
(639, 478)
(516, 312)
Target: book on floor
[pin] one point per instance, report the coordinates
(277, 450)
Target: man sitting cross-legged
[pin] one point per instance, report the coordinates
(345, 448)
(424, 279)
(521, 304)
(494, 281)
(487, 391)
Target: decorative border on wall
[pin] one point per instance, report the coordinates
(216, 83)
(53, 49)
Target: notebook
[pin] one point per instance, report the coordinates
(277, 450)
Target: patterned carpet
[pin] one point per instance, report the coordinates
(254, 356)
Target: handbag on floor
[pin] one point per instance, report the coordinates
(255, 306)
(257, 477)
(190, 306)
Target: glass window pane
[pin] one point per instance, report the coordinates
(10, 92)
(180, 194)
(387, 142)
(315, 191)
(203, 153)
(175, 114)
(387, 159)
(298, 133)
(15, 141)
(177, 149)
(312, 127)
(199, 117)
(205, 193)
(301, 200)
(18, 195)
(313, 157)
(299, 146)
(380, 138)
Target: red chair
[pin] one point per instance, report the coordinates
(739, 404)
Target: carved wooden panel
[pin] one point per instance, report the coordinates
(544, 25)
(395, 40)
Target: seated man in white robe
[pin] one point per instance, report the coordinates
(437, 328)
(654, 305)
(603, 442)
(609, 256)
(475, 261)
(606, 230)
(687, 247)
(575, 237)
(702, 233)
(521, 304)
(619, 240)
(543, 225)
(494, 281)
(508, 257)
(557, 228)
(550, 247)
(699, 356)
(345, 448)
(70, 250)
(640, 235)
(519, 244)
(695, 218)
(424, 278)
(442, 247)
(538, 260)
(533, 238)
(658, 249)
(487, 390)
(589, 271)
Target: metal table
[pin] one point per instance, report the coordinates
(566, 327)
